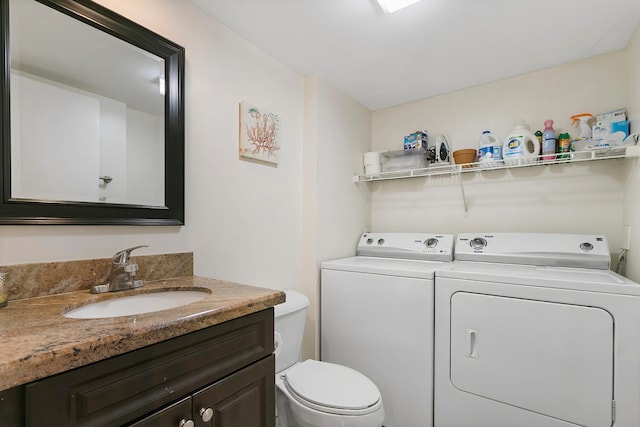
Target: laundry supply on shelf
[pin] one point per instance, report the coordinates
(611, 128)
(538, 135)
(564, 145)
(418, 139)
(489, 150)
(549, 142)
(520, 146)
(582, 122)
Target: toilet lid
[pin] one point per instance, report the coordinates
(332, 388)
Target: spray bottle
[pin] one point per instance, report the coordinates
(582, 121)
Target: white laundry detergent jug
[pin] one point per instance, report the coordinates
(521, 146)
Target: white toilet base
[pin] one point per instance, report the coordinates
(292, 413)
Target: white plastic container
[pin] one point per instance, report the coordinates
(489, 150)
(521, 146)
(402, 160)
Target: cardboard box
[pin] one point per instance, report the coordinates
(619, 115)
(415, 140)
(610, 134)
(622, 126)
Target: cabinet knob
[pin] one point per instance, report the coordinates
(206, 414)
(186, 423)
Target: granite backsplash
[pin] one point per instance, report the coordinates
(41, 279)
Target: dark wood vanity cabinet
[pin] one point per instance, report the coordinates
(236, 401)
(219, 376)
(171, 416)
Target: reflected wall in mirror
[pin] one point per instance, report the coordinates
(73, 107)
(92, 121)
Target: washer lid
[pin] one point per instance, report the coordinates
(386, 266)
(337, 388)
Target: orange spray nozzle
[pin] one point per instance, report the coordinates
(575, 119)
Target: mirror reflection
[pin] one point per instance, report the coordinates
(87, 112)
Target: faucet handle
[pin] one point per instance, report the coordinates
(131, 268)
(122, 257)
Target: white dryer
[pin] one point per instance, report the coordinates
(534, 330)
(376, 312)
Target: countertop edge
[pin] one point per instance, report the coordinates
(52, 344)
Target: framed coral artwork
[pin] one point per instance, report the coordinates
(259, 134)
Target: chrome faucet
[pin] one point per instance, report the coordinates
(121, 275)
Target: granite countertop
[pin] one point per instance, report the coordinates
(38, 341)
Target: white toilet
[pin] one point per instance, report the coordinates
(313, 393)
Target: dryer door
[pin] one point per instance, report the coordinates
(550, 358)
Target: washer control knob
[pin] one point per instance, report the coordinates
(586, 246)
(381, 241)
(369, 241)
(478, 243)
(431, 242)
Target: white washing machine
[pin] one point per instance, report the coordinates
(376, 312)
(534, 330)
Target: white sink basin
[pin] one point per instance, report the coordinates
(137, 304)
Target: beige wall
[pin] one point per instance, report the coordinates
(632, 194)
(584, 198)
(337, 132)
(244, 220)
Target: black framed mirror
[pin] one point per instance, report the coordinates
(92, 120)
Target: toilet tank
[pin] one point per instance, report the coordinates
(289, 319)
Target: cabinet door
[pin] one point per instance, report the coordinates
(171, 416)
(246, 398)
(118, 390)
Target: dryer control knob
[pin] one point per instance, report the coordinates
(586, 246)
(431, 242)
(478, 243)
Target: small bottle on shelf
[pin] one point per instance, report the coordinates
(549, 142)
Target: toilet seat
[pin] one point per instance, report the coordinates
(332, 388)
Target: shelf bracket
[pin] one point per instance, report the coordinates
(363, 189)
(464, 196)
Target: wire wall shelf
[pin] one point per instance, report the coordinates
(546, 160)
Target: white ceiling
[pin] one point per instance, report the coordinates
(430, 48)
